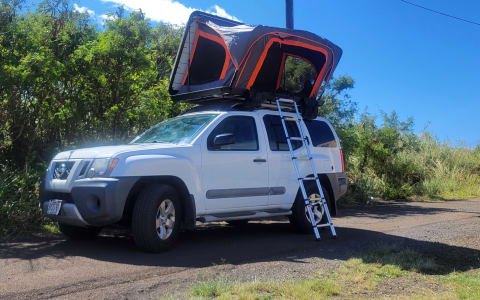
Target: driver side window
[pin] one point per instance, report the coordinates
(239, 131)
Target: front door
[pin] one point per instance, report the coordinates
(234, 165)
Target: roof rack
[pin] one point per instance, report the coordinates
(242, 105)
(213, 94)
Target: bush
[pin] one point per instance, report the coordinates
(19, 210)
(451, 172)
(391, 162)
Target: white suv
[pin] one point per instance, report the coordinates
(213, 164)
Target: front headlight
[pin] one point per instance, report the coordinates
(102, 167)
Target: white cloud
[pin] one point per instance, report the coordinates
(83, 10)
(103, 18)
(167, 11)
(222, 13)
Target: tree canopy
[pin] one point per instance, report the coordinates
(65, 83)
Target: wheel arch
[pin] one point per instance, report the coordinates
(187, 199)
(325, 182)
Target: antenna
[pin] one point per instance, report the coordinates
(289, 13)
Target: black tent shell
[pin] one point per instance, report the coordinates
(219, 57)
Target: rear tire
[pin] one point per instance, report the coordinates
(79, 233)
(298, 217)
(156, 218)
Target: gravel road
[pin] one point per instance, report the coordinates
(111, 267)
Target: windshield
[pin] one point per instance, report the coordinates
(179, 130)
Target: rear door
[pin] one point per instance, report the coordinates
(281, 174)
(235, 176)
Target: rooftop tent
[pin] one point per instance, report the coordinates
(224, 58)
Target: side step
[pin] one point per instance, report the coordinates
(243, 215)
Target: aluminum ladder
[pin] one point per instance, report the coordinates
(308, 201)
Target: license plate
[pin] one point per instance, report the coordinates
(54, 207)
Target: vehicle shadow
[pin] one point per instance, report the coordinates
(256, 242)
(391, 209)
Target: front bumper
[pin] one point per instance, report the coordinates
(339, 184)
(69, 214)
(91, 202)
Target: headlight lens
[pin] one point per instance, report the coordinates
(102, 167)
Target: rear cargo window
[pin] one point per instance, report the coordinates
(321, 134)
(276, 135)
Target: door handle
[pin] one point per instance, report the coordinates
(259, 160)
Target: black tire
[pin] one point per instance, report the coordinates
(79, 233)
(146, 214)
(298, 217)
(237, 223)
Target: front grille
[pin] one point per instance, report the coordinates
(61, 170)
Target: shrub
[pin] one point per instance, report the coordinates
(391, 162)
(19, 210)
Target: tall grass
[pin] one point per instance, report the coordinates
(450, 172)
(426, 169)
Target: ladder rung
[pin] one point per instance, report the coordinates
(290, 118)
(285, 100)
(309, 178)
(295, 138)
(323, 225)
(301, 158)
(315, 199)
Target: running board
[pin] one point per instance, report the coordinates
(242, 216)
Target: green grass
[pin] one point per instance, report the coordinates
(465, 285)
(212, 288)
(410, 275)
(425, 170)
(51, 228)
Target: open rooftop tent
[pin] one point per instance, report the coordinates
(221, 58)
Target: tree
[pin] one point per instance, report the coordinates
(64, 83)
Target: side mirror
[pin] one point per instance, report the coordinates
(224, 139)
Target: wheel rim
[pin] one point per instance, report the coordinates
(317, 210)
(165, 220)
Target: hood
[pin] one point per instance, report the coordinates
(110, 151)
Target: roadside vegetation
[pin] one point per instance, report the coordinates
(381, 273)
(67, 82)
(390, 162)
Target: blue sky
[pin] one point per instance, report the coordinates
(402, 58)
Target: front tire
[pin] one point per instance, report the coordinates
(156, 218)
(299, 218)
(79, 233)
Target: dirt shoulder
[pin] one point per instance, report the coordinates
(111, 267)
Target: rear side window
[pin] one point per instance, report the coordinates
(321, 134)
(276, 135)
(244, 130)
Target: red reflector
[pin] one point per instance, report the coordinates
(341, 158)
